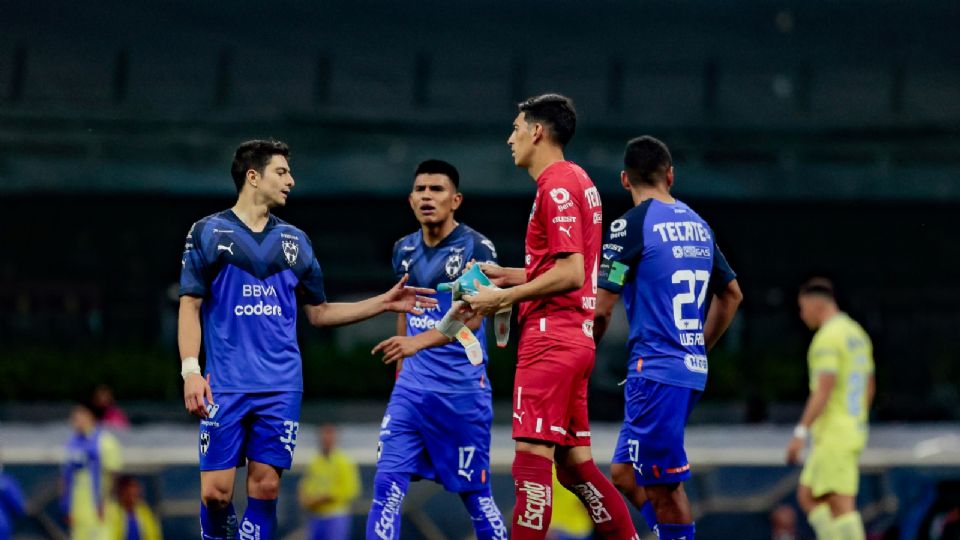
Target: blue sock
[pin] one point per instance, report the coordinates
(649, 515)
(260, 520)
(487, 520)
(669, 531)
(218, 524)
(383, 523)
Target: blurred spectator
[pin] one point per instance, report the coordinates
(93, 456)
(783, 523)
(129, 517)
(11, 504)
(329, 486)
(570, 519)
(106, 409)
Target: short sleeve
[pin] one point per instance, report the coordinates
(824, 356)
(560, 210)
(621, 252)
(111, 457)
(484, 251)
(193, 265)
(310, 288)
(721, 274)
(397, 262)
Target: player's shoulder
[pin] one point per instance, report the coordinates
(409, 242)
(477, 240)
(287, 228)
(682, 208)
(473, 234)
(563, 174)
(212, 223)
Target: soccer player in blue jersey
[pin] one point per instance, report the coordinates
(437, 423)
(244, 273)
(680, 296)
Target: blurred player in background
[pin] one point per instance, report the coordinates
(93, 457)
(437, 423)
(244, 272)
(129, 516)
(12, 504)
(570, 519)
(680, 296)
(842, 387)
(328, 488)
(556, 292)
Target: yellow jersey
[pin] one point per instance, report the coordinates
(335, 476)
(105, 459)
(148, 526)
(569, 515)
(842, 347)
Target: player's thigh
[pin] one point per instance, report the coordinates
(654, 423)
(456, 433)
(541, 396)
(581, 360)
(831, 471)
(400, 447)
(274, 426)
(223, 434)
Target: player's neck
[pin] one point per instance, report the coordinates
(253, 215)
(434, 233)
(547, 156)
(640, 194)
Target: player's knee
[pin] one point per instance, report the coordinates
(266, 487)
(215, 497)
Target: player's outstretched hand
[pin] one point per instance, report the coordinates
(403, 299)
(396, 348)
(195, 389)
(488, 300)
(793, 451)
(497, 274)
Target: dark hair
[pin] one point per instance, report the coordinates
(255, 155)
(646, 160)
(818, 286)
(437, 166)
(554, 111)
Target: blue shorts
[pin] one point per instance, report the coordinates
(437, 436)
(651, 438)
(261, 427)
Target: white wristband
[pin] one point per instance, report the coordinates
(801, 432)
(188, 366)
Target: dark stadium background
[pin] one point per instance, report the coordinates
(815, 137)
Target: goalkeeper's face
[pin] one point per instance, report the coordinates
(434, 198)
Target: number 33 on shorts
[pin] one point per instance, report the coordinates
(289, 437)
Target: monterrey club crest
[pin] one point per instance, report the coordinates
(290, 251)
(453, 265)
(204, 442)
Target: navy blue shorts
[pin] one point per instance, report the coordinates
(651, 438)
(437, 436)
(261, 427)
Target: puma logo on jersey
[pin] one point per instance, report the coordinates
(566, 230)
(229, 249)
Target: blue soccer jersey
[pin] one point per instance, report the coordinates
(251, 285)
(445, 368)
(664, 262)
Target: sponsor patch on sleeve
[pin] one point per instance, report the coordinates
(618, 272)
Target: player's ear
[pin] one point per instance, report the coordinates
(538, 131)
(624, 180)
(457, 200)
(669, 176)
(253, 177)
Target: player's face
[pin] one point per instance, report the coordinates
(521, 142)
(809, 311)
(82, 420)
(274, 185)
(434, 198)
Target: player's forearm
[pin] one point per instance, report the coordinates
(188, 328)
(816, 403)
(721, 313)
(601, 316)
(340, 313)
(514, 276)
(565, 276)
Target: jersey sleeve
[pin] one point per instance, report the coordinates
(825, 355)
(560, 210)
(484, 251)
(193, 265)
(721, 274)
(310, 289)
(397, 260)
(621, 253)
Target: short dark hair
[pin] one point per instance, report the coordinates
(819, 286)
(438, 166)
(646, 161)
(255, 155)
(554, 111)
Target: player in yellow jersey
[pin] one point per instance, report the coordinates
(328, 488)
(842, 386)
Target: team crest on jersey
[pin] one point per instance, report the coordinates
(453, 265)
(204, 442)
(290, 251)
